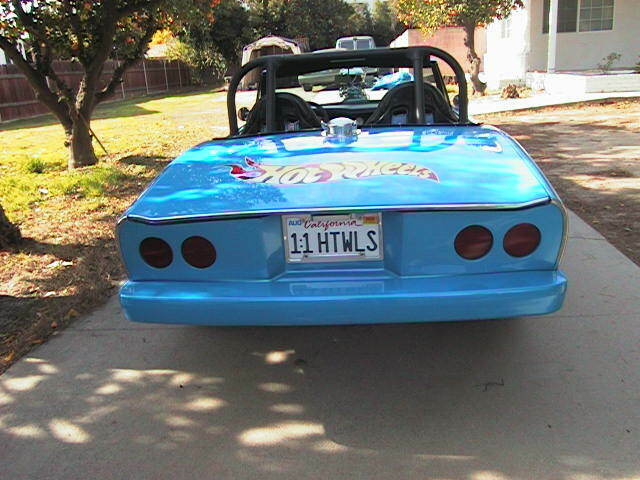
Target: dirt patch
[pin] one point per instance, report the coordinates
(67, 264)
(591, 154)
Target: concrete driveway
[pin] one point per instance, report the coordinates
(555, 397)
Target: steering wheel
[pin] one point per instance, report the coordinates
(319, 110)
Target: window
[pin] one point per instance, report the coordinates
(567, 16)
(596, 15)
(580, 15)
(348, 44)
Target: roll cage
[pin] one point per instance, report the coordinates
(293, 65)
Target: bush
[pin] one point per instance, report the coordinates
(35, 165)
(208, 64)
(607, 62)
(510, 91)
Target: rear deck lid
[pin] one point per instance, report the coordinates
(384, 168)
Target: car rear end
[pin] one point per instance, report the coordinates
(331, 264)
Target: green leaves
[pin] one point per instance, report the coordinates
(321, 21)
(433, 14)
(430, 15)
(80, 29)
(34, 33)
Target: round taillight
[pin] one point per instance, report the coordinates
(156, 252)
(522, 240)
(473, 242)
(198, 252)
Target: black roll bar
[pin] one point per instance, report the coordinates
(418, 81)
(289, 65)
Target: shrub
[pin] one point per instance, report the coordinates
(35, 165)
(208, 65)
(510, 91)
(607, 62)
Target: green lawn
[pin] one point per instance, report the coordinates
(33, 157)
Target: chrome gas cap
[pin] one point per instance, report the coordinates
(341, 128)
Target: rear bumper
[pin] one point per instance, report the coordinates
(336, 300)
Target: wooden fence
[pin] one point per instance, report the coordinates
(18, 100)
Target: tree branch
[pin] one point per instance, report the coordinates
(38, 80)
(62, 86)
(43, 57)
(119, 71)
(106, 36)
(76, 28)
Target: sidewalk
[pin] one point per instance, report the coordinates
(492, 104)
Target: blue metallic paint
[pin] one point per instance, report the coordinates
(475, 165)
(421, 278)
(415, 244)
(382, 300)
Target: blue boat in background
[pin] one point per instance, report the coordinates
(392, 80)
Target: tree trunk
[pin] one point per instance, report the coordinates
(79, 141)
(474, 59)
(9, 233)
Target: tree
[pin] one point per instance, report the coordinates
(215, 44)
(87, 32)
(9, 233)
(230, 30)
(267, 17)
(360, 22)
(386, 26)
(321, 21)
(430, 15)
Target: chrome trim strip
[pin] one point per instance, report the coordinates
(346, 209)
(565, 226)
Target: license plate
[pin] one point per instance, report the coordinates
(332, 238)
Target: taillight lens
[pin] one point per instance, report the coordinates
(473, 242)
(156, 252)
(198, 252)
(522, 240)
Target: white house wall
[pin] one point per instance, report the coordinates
(506, 57)
(584, 50)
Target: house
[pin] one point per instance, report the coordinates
(3, 58)
(520, 49)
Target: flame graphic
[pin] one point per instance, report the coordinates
(275, 174)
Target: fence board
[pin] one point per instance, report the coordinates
(18, 100)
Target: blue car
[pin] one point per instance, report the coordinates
(351, 211)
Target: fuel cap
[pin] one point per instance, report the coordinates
(341, 128)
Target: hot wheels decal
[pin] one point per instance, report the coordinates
(274, 174)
